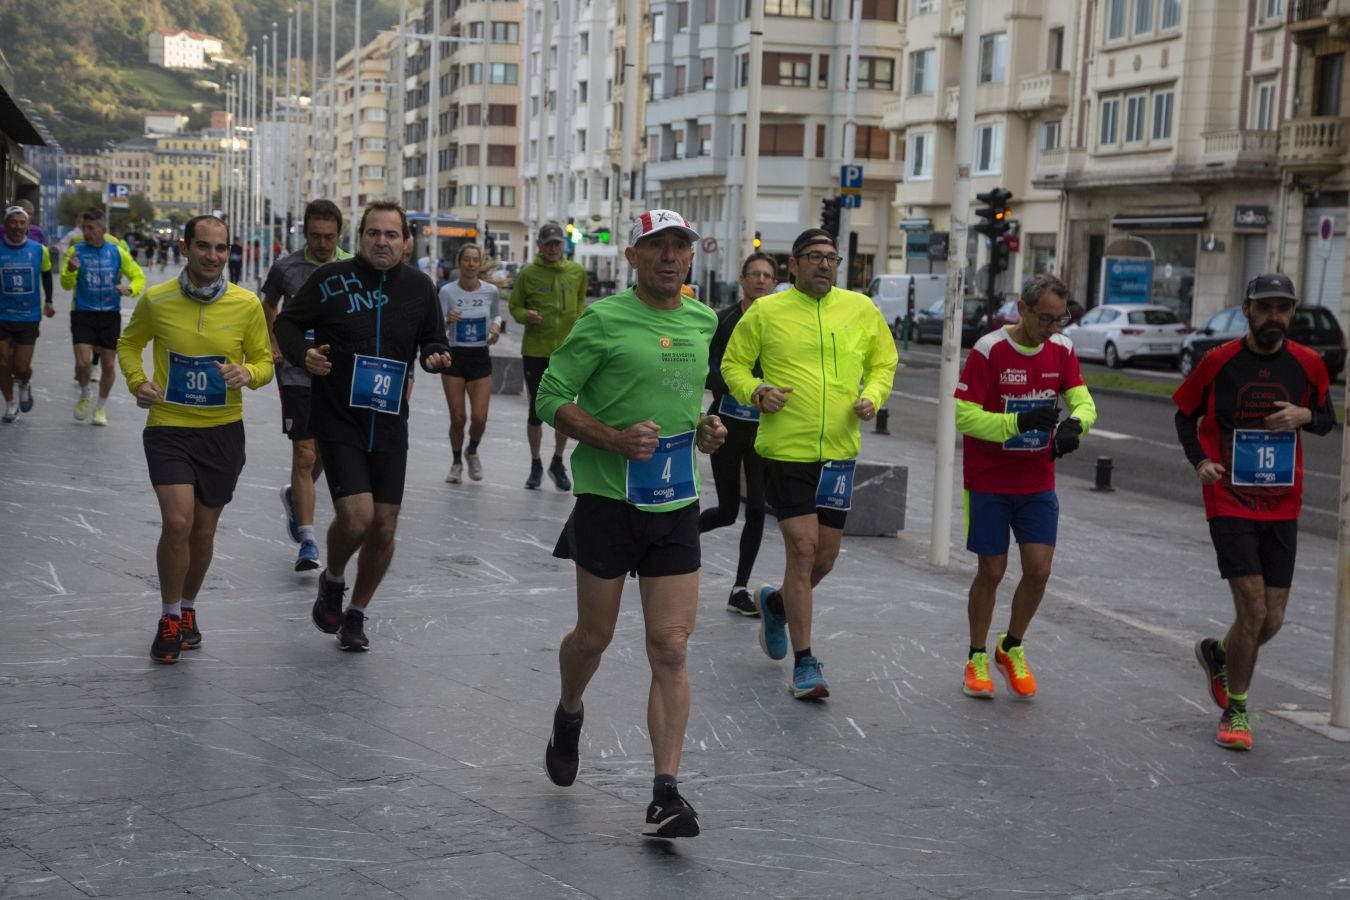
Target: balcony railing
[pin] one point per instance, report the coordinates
(1315, 145)
(1043, 90)
(1302, 10)
(1240, 147)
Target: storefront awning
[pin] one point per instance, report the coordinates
(916, 224)
(1157, 221)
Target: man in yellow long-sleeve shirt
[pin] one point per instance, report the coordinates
(210, 341)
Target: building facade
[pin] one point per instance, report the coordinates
(132, 163)
(699, 93)
(361, 143)
(185, 175)
(180, 49)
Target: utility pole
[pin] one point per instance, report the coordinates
(1340, 646)
(356, 123)
(750, 152)
(939, 552)
(483, 130)
(850, 138)
(433, 164)
(546, 39)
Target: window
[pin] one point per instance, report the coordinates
(1263, 105)
(871, 142)
(1271, 9)
(655, 83)
(1116, 11)
(583, 91)
(505, 32)
(584, 43)
(504, 73)
(1328, 76)
(876, 73)
(787, 139)
(1135, 104)
(921, 74)
(823, 71)
(1143, 17)
(1162, 116)
(742, 70)
(498, 114)
(374, 114)
(681, 16)
(798, 9)
(373, 173)
(787, 69)
(705, 140)
(993, 58)
(581, 140)
(820, 141)
(501, 155)
(677, 137)
(658, 26)
(1050, 135)
(924, 6)
(1106, 122)
(881, 10)
(1055, 57)
(680, 73)
(1171, 15)
(708, 83)
(920, 156)
(989, 149)
(372, 143)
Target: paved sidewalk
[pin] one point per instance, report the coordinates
(269, 764)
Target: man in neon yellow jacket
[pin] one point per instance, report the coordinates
(210, 341)
(828, 361)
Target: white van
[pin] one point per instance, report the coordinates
(900, 295)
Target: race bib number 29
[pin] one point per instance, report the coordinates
(377, 384)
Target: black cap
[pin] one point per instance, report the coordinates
(551, 232)
(812, 236)
(1271, 285)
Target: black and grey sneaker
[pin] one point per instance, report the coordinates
(741, 602)
(558, 472)
(671, 816)
(561, 759)
(327, 611)
(536, 476)
(352, 632)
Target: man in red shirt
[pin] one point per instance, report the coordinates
(1007, 408)
(1238, 417)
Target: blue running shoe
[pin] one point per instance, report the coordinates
(772, 627)
(288, 503)
(807, 681)
(307, 560)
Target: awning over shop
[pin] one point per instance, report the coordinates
(1159, 221)
(15, 124)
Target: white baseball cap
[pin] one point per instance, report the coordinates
(655, 220)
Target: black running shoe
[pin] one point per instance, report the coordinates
(536, 476)
(558, 473)
(188, 635)
(168, 642)
(352, 633)
(671, 816)
(561, 760)
(741, 602)
(327, 611)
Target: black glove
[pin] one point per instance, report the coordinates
(1042, 418)
(1066, 437)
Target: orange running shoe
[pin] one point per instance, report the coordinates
(167, 644)
(1235, 732)
(978, 683)
(188, 635)
(1013, 666)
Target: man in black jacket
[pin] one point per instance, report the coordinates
(371, 318)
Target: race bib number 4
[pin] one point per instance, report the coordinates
(835, 490)
(195, 381)
(667, 477)
(377, 384)
(1027, 440)
(1263, 458)
(731, 409)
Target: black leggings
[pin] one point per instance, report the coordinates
(738, 450)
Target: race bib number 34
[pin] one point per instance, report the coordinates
(1263, 458)
(377, 384)
(470, 331)
(667, 477)
(195, 381)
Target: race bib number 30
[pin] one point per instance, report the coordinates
(1263, 458)
(377, 384)
(835, 490)
(195, 381)
(667, 477)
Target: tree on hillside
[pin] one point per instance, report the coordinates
(76, 202)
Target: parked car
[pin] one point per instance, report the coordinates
(1314, 327)
(928, 322)
(1117, 333)
(898, 296)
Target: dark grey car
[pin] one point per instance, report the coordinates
(1314, 327)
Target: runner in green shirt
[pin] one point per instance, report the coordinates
(627, 384)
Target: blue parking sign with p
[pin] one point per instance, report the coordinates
(851, 177)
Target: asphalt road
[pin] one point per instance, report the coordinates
(1136, 432)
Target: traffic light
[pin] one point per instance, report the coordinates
(999, 252)
(829, 216)
(994, 215)
(758, 240)
(602, 236)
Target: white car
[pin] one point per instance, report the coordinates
(1116, 333)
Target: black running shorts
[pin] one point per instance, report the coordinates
(609, 538)
(295, 412)
(1256, 547)
(351, 471)
(23, 334)
(534, 368)
(790, 488)
(98, 329)
(471, 364)
(209, 459)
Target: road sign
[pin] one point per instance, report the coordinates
(119, 195)
(708, 245)
(850, 179)
(850, 201)
(1326, 227)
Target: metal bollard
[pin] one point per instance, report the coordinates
(882, 416)
(1103, 475)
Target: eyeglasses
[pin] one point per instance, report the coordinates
(816, 258)
(1061, 321)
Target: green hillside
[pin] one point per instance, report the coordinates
(84, 64)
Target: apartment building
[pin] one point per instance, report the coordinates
(131, 163)
(87, 170)
(1170, 151)
(185, 174)
(181, 49)
(1314, 155)
(476, 136)
(361, 142)
(1021, 103)
(698, 96)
